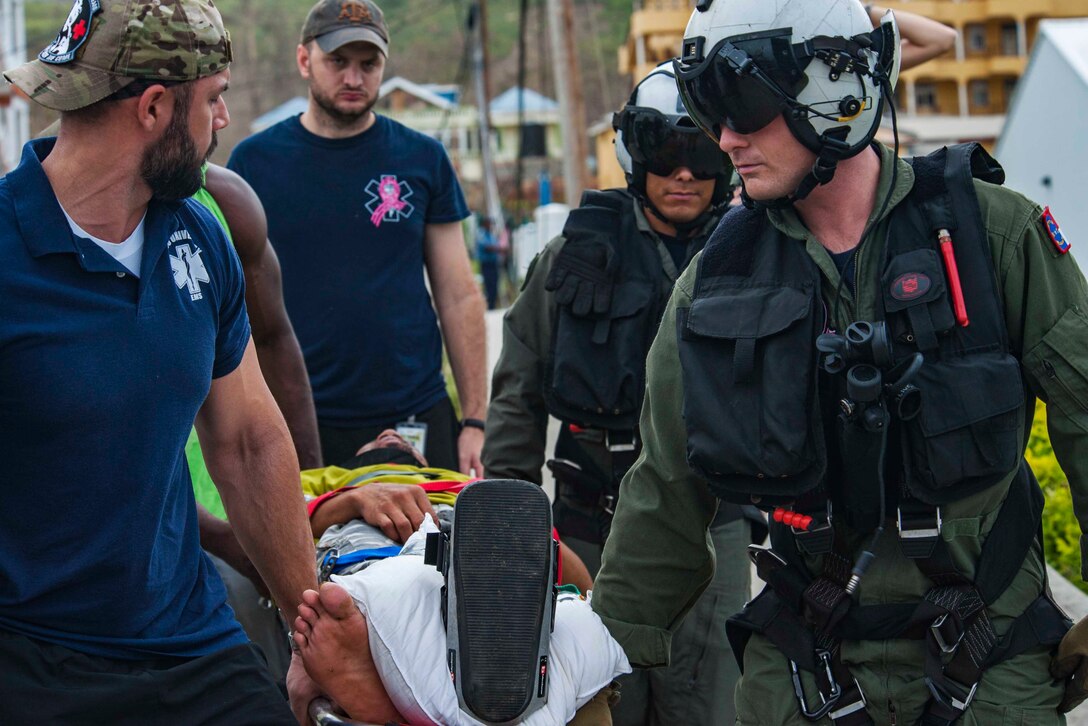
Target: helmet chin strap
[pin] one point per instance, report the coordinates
(832, 146)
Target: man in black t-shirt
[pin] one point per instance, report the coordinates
(358, 206)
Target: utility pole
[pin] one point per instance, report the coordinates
(568, 86)
(483, 102)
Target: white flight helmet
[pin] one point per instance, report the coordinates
(655, 134)
(817, 63)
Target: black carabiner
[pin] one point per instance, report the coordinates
(829, 701)
(327, 566)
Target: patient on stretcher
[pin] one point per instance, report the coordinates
(374, 640)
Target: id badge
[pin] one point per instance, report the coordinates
(415, 433)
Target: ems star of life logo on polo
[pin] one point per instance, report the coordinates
(73, 34)
(388, 200)
(189, 270)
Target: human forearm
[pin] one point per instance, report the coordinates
(923, 38)
(335, 510)
(258, 481)
(575, 571)
(462, 320)
(217, 537)
(215, 533)
(460, 308)
(285, 372)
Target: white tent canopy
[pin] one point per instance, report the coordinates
(1044, 145)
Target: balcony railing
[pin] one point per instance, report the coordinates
(667, 5)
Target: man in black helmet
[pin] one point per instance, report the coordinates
(574, 346)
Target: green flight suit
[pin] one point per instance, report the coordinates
(697, 688)
(657, 560)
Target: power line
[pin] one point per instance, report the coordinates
(462, 71)
(591, 20)
(519, 168)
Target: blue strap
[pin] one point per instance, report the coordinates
(378, 553)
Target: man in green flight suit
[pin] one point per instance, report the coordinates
(857, 351)
(574, 346)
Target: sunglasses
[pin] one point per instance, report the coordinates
(661, 146)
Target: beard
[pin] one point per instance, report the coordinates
(340, 118)
(172, 168)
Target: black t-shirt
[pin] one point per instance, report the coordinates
(678, 249)
(347, 218)
(846, 262)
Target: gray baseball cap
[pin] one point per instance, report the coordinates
(334, 23)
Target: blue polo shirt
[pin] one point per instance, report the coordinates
(101, 376)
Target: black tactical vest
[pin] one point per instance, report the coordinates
(596, 371)
(755, 399)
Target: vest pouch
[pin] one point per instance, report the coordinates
(598, 362)
(965, 437)
(748, 359)
(914, 282)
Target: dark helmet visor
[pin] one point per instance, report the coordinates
(661, 146)
(744, 82)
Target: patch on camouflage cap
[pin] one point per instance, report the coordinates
(73, 34)
(128, 40)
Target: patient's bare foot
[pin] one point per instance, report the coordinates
(334, 643)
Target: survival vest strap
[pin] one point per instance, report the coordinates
(964, 437)
(806, 617)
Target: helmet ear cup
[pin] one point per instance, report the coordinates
(637, 178)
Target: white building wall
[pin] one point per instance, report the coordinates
(1044, 141)
(15, 116)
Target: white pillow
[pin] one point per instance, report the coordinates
(401, 598)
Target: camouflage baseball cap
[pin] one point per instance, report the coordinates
(105, 45)
(334, 23)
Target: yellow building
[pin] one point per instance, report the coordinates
(657, 30)
(995, 39)
(961, 95)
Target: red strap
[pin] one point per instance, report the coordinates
(313, 504)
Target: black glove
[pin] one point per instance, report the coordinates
(582, 276)
(1071, 666)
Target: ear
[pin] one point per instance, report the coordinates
(154, 108)
(302, 59)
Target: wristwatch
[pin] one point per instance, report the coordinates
(473, 423)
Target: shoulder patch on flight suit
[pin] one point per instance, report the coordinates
(1054, 232)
